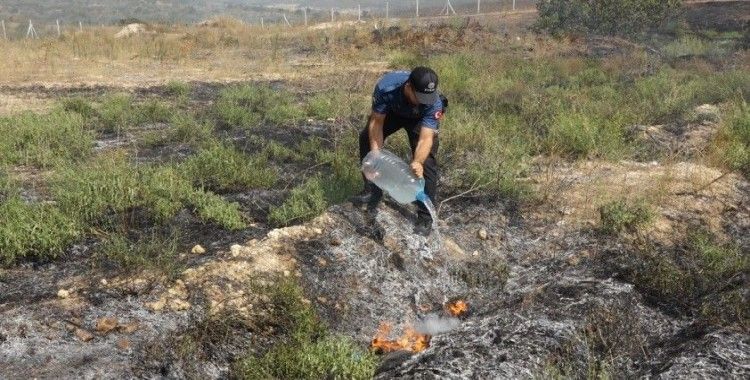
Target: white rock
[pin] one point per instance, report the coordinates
(236, 250)
(130, 29)
(198, 250)
(62, 293)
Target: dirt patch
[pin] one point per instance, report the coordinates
(683, 194)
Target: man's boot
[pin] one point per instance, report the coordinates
(370, 196)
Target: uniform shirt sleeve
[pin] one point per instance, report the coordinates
(379, 101)
(432, 115)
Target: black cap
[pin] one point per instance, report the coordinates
(425, 83)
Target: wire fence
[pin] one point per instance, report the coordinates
(300, 15)
(291, 16)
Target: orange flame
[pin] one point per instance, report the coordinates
(411, 340)
(457, 308)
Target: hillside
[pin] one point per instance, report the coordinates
(190, 11)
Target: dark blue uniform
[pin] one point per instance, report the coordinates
(388, 99)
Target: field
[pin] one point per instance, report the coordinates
(122, 158)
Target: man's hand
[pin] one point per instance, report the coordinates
(418, 169)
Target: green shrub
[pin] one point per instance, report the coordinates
(624, 17)
(733, 141)
(164, 191)
(284, 113)
(186, 129)
(304, 203)
(80, 106)
(114, 113)
(345, 179)
(272, 150)
(151, 251)
(622, 215)
(324, 105)
(337, 104)
(151, 111)
(307, 351)
(7, 187)
(214, 208)
(111, 185)
(698, 276)
(223, 168)
(248, 105)
(717, 261)
(404, 59)
(108, 184)
(325, 358)
(177, 89)
(490, 152)
(44, 140)
(34, 230)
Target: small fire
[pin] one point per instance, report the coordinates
(457, 308)
(411, 340)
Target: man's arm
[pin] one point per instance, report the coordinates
(424, 146)
(375, 130)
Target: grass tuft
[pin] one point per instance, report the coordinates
(622, 215)
(150, 251)
(177, 89)
(34, 231)
(304, 203)
(44, 140)
(223, 168)
(248, 106)
(733, 141)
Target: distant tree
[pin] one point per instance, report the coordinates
(606, 17)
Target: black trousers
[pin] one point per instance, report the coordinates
(412, 127)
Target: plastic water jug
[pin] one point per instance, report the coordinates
(394, 176)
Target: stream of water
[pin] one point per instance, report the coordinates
(437, 239)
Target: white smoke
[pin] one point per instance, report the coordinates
(434, 324)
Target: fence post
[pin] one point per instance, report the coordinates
(80, 26)
(359, 13)
(305, 16)
(479, 3)
(449, 8)
(417, 9)
(5, 35)
(514, 5)
(262, 25)
(31, 32)
(387, 10)
(286, 21)
(58, 28)
(331, 14)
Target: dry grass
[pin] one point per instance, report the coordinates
(224, 51)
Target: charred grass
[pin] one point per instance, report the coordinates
(703, 276)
